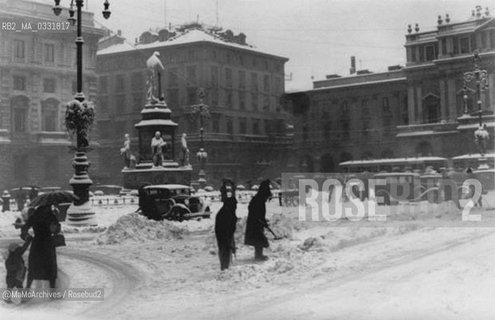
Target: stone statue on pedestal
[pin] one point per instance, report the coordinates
(184, 151)
(125, 152)
(157, 146)
(154, 82)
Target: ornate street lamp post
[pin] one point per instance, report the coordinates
(79, 117)
(203, 110)
(480, 77)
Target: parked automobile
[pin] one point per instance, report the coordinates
(172, 202)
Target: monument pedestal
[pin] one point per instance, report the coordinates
(135, 178)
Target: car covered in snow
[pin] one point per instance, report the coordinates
(172, 202)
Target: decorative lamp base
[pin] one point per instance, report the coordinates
(82, 215)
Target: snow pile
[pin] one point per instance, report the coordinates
(137, 228)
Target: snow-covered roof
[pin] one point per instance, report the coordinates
(188, 36)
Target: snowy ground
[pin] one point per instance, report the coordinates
(423, 263)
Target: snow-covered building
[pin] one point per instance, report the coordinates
(38, 75)
(245, 133)
(408, 111)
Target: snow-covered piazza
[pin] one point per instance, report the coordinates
(406, 268)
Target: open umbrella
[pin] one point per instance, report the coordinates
(209, 188)
(54, 197)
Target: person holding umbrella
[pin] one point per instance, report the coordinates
(256, 221)
(225, 224)
(43, 256)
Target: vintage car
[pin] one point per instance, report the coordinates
(171, 202)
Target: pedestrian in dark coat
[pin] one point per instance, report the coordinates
(256, 221)
(42, 256)
(225, 224)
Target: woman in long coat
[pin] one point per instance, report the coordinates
(256, 221)
(42, 255)
(225, 224)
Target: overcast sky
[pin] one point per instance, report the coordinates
(318, 36)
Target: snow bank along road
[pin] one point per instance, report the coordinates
(122, 277)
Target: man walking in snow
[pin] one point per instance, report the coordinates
(256, 221)
(225, 224)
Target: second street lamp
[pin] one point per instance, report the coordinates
(480, 77)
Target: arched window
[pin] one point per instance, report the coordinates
(20, 108)
(49, 115)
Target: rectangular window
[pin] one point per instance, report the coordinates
(228, 78)
(430, 53)
(242, 126)
(230, 125)
(456, 45)
(214, 76)
(20, 83)
(256, 126)
(268, 127)
(385, 105)
(254, 82)
(254, 101)
(49, 54)
(242, 100)
(229, 99)
(413, 54)
(242, 80)
(19, 50)
(266, 103)
(266, 83)
(49, 85)
(465, 45)
(444, 45)
(216, 123)
(421, 53)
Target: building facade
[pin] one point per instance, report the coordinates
(245, 131)
(38, 75)
(409, 111)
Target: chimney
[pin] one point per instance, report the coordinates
(353, 65)
(119, 33)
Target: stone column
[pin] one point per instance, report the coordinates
(452, 101)
(419, 104)
(443, 103)
(410, 105)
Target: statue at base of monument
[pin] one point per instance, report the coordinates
(157, 147)
(125, 152)
(184, 151)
